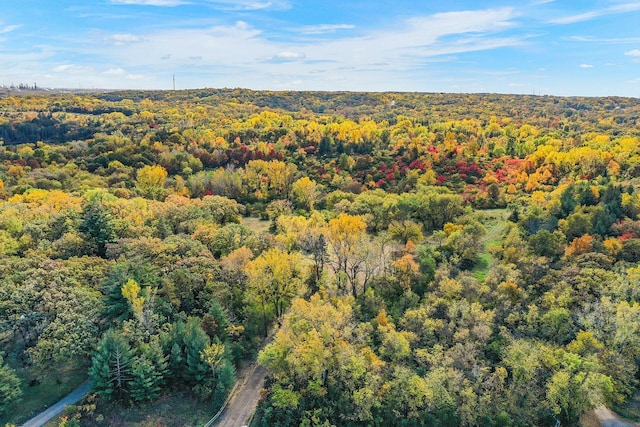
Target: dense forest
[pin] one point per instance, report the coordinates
(391, 258)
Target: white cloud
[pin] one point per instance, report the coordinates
(135, 77)
(587, 16)
(250, 4)
(8, 29)
(289, 56)
(576, 18)
(324, 28)
(72, 69)
(218, 4)
(619, 40)
(468, 21)
(586, 66)
(120, 39)
(161, 3)
(123, 74)
(634, 52)
(241, 55)
(115, 72)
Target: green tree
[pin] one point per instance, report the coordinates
(111, 366)
(378, 208)
(222, 372)
(576, 388)
(146, 381)
(545, 243)
(148, 372)
(97, 228)
(229, 238)
(406, 231)
(10, 387)
(576, 225)
(567, 202)
(185, 342)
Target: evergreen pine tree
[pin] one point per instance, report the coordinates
(195, 340)
(176, 361)
(612, 201)
(146, 381)
(184, 343)
(97, 228)
(156, 356)
(111, 367)
(567, 202)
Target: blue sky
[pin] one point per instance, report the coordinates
(561, 47)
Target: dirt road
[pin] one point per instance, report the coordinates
(245, 400)
(609, 419)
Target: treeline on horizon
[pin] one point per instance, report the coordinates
(426, 259)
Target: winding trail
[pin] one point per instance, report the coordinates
(75, 396)
(244, 401)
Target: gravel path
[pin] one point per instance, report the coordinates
(55, 410)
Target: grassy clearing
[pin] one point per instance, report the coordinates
(495, 222)
(180, 409)
(43, 388)
(256, 225)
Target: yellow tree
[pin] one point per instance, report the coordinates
(275, 277)
(406, 269)
(213, 356)
(281, 176)
(308, 234)
(346, 234)
(141, 303)
(150, 180)
(269, 179)
(306, 191)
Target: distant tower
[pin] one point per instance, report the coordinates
(174, 82)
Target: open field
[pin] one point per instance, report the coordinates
(495, 223)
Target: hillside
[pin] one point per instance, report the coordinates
(425, 259)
